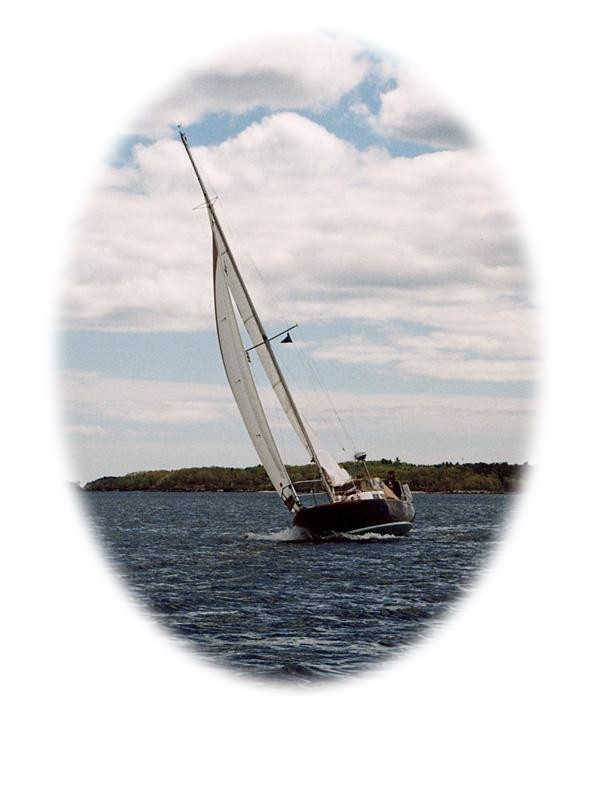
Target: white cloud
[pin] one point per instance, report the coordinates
(411, 112)
(290, 72)
(151, 419)
(169, 423)
(98, 399)
(433, 356)
(338, 234)
(482, 346)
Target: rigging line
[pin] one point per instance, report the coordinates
(324, 391)
(234, 234)
(279, 314)
(245, 256)
(320, 401)
(301, 376)
(230, 228)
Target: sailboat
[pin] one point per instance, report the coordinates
(340, 503)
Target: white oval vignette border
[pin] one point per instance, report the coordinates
(503, 698)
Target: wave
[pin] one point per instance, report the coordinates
(301, 535)
(285, 535)
(370, 536)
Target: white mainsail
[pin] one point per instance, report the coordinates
(333, 472)
(229, 288)
(244, 390)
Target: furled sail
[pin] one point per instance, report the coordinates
(243, 388)
(333, 473)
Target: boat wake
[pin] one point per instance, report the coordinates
(363, 537)
(301, 535)
(285, 535)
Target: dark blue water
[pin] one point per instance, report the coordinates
(225, 573)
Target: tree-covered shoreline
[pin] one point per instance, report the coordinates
(492, 478)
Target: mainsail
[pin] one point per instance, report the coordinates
(334, 474)
(229, 288)
(244, 390)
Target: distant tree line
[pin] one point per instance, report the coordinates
(444, 477)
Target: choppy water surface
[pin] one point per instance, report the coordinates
(225, 573)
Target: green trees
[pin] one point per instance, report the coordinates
(445, 477)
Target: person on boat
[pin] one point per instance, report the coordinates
(393, 484)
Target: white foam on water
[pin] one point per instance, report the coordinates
(285, 535)
(301, 535)
(370, 536)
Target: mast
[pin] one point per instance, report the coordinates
(265, 339)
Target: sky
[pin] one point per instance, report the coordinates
(358, 208)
